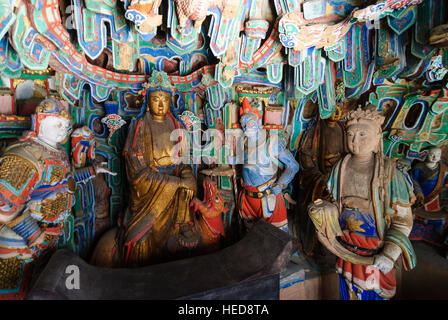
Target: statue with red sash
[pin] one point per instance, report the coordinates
(368, 221)
(268, 169)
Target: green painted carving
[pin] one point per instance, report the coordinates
(401, 20)
(326, 93)
(7, 16)
(337, 51)
(430, 129)
(33, 55)
(354, 73)
(420, 41)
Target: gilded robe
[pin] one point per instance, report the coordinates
(158, 203)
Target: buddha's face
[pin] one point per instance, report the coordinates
(159, 102)
(363, 138)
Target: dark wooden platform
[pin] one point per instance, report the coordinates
(248, 269)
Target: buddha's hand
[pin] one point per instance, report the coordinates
(384, 264)
(188, 183)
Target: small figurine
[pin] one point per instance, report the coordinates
(209, 216)
(197, 10)
(144, 15)
(429, 178)
(83, 154)
(261, 196)
(369, 219)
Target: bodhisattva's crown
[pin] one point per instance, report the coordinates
(360, 115)
(159, 80)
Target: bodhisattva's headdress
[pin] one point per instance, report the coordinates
(368, 116)
(48, 108)
(159, 80)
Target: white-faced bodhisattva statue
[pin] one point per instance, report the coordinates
(369, 219)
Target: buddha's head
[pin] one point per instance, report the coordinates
(159, 96)
(363, 132)
(159, 102)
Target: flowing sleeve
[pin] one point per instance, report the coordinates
(400, 219)
(401, 190)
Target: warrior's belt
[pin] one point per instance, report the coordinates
(257, 195)
(254, 192)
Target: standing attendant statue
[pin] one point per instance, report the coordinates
(261, 196)
(430, 179)
(37, 184)
(369, 219)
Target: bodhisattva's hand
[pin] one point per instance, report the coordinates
(188, 183)
(383, 263)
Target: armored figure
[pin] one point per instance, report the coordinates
(261, 197)
(369, 219)
(429, 178)
(36, 194)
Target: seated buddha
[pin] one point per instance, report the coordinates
(158, 221)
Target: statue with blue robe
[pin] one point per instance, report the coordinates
(429, 179)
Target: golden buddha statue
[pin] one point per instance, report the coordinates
(158, 221)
